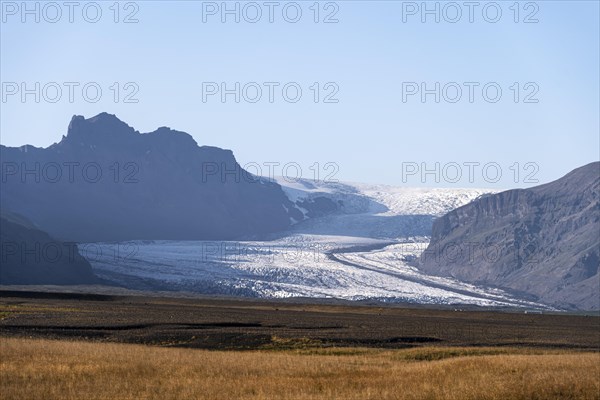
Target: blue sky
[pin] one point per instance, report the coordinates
(370, 54)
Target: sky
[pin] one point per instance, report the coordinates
(497, 94)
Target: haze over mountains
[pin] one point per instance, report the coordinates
(199, 222)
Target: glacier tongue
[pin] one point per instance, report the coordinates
(360, 253)
(294, 266)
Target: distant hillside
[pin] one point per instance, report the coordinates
(30, 256)
(104, 181)
(543, 241)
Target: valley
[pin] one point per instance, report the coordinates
(362, 252)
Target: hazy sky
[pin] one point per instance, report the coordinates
(373, 61)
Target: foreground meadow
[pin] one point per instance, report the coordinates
(51, 369)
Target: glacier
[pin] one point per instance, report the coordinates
(365, 252)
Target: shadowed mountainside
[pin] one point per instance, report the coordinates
(31, 256)
(104, 181)
(543, 241)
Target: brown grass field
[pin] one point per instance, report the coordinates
(82, 346)
(61, 369)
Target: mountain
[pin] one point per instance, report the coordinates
(105, 181)
(30, 256)
(542, 242)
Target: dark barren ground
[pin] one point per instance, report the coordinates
(239, 324)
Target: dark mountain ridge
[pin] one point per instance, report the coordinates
(105, 181)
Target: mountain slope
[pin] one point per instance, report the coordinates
(30, 256)
(543, 241)
(105, 181)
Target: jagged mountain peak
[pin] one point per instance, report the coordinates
(101, 128)
(107, 130)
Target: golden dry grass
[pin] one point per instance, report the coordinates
(45, 369)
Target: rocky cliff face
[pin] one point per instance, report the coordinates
(30, 256)
(542, 242)
(104, 181)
